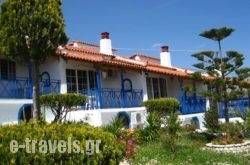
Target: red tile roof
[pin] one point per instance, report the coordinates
(94, 56)
(144, 57)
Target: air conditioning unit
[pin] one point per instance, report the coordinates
(137, 119)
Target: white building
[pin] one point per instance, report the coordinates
(114, 84)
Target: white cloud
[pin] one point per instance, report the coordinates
(156, 45)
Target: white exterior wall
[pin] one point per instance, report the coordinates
(52, 67)
(62, 74)
(138, 82)
(111, 82)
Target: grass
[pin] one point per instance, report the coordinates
(188, 151)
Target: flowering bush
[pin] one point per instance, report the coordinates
(128, 136)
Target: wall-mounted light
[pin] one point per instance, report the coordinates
(104, 74)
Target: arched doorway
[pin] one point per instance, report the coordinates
(125, 118)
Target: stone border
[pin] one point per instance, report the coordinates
(230, 148)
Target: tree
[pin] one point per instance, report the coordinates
(227, 74)
(29, 32)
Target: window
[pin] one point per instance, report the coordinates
(149, 88)
(163, 87)
(8, 69)
(71, 80)
(78, 80)
(156, 87)
(92, 81)
(82, 79)
(155, 83)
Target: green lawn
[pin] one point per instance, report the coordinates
(187, 151)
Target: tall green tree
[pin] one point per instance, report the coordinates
(31, 30)
(227, 73)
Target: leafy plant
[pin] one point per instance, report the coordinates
(173, 130)
(231, 133)
(108, 151)
(246, 131)
(61, 104)
(130, 139)
(211, 119)
(153, 128)
(114, 127)
(162, 105)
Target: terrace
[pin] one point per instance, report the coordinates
(104, 98)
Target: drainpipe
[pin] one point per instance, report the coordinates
(98, 83)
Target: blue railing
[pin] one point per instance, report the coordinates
(197, 104)
(21, 88)
(190, 104)
(236, 107)
(52, 86)
(113, 98)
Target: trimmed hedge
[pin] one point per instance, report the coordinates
(109, 151)
(162, 105)
(61, 104)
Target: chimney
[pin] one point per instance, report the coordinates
(105, 44)
(165, 57)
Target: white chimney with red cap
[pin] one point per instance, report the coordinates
(165, 57)
(105, 43)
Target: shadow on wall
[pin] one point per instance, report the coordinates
(24, 113)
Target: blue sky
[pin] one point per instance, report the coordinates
(145, 25)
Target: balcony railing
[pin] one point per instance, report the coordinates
(197, 104)
(190, 104)
(236, 107)
(21, 88)
(113, 98)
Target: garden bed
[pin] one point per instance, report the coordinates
(230, 148)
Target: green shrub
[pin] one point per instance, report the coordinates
(130, 139)
(109, 151)
(152, 131)
(114, 127)
(231, 134)
(173, 130)
(211, 119)
(124, 136)
(61, 104)
(246, 131)
(162, 105)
